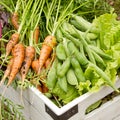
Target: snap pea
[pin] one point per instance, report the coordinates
(78, 70)
(104, 76)
(64, 68)
(60, 52)
(59, 35)
(65, 45)
(86, 46)
(62, 81)
(81, 58)
(70, 37)
(68, 28)
(100, 52)
(71, 77)
(52, 76)
(83, 24)
(59, 64)
(99, 60)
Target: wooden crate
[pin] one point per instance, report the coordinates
(38, 106)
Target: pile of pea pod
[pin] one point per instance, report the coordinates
(81, 65)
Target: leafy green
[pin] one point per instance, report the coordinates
(109, 29)
(9, 110)
(94, 78)
(71, 94)
(84, 87)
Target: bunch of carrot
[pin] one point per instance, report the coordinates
(25, 54)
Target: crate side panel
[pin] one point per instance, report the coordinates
(109, 110)
(14, 95)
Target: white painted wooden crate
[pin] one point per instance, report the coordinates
(39, 107)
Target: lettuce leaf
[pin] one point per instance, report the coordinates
(63, 96)
(95, 80)
(109, 29)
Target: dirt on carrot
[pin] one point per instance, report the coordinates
(48, 63)
(29, 56)
(15, 20)
(12, 42)
(39, 87)
(36, 34)
(44, 88)
(18, 58)
(7, 71)
(35, 65)
(46, 50)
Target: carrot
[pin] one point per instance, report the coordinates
(12, 42)
(47, 47)
(7, 71)
(18, 58)
(29, 56)
(14, 20)
(44, 88)
(35, 65)
(39, 87)
(47, 63)
(36, 34)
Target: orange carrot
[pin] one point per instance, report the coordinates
(14, 20)
(36, 34)
(44, 88)
(39, 87)
(29, 56)
(47, 47)
(7, 71)
(47, 63)
(18, 58)
(35, 65)
(12, 42)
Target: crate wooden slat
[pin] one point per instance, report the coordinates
(38, 106)
(14, 95)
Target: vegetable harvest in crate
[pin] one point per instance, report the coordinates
(54, 47)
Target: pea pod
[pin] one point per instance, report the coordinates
(104, 76)
(99, 59)
(65, 45)
(60, 52)
(63, 83)
(71, 77)
(59, 35)
(81, 58)
(100, 52)
(59, 64)
(64, 67)
(71, 38)
(52, 76)
(78, 70)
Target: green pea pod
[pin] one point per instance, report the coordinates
(78, 70)
(71, 77)
(59, 64)
(60, 52)
(73, 50)
(65, 45)
(63, 83)
(52, 76)
(99, 60)
(58, 35)
(64, 68)
(100, 52)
